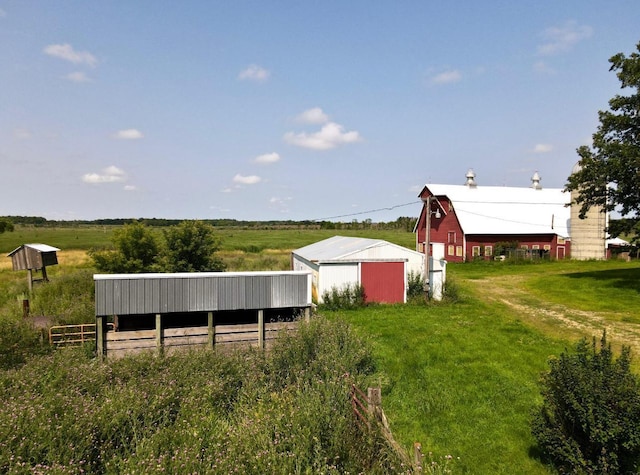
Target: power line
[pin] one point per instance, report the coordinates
(389, 208)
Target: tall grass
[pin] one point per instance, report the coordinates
(197, 412)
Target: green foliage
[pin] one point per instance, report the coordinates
(590, 418)
(501, 247)
(349, 296)
(187, 247)
(6, 225)
(415, 286)
(609, 170)
(67, 299)
(191, 247)
(136, 250)
(195, 412)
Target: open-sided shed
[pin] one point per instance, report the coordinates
(158, 311)
(381, 267)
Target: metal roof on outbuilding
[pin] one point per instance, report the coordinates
(342, 248)
(35, 246)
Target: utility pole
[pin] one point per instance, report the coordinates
(427, 245)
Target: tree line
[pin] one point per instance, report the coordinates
(401, 223)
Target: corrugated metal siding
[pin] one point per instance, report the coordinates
(169, 293)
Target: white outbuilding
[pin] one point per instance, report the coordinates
(381, 267)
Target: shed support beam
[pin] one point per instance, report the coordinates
(261, 328)
(212, 330)
(101, 338)
(159, 334)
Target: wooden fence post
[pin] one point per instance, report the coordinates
(417, 456)
(374, 397)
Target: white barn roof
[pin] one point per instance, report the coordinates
(508, 210)
(340, 248)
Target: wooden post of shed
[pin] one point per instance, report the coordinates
(261, 328)
(159, 334)
(212, 331)
(101, 337)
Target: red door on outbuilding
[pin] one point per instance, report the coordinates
(383, 282)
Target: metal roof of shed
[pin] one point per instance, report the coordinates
(508, 210)
(35, 246)
(342, 248)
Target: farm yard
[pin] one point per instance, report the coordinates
(461, 376)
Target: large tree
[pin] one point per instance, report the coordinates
(191, 247)
(609, 171)
(136, 249)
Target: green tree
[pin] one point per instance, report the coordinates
(136, 250)
(191, 247)
(590, 418)
(609, 171)
(6, 225)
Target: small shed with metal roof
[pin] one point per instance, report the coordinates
(380, 267)
(34, 257)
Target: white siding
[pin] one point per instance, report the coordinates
(337, 275)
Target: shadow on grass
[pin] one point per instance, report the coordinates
(619, 278)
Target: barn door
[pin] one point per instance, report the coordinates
(383, 282)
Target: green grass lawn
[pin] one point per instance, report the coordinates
(460, 379)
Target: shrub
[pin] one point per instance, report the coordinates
(415, 286)
(349, 296)
(590, 418)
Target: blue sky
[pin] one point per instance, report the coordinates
(293, 110)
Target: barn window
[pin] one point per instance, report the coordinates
(560, 240)
(475, 251)
(459, 251)
(535, 246)
(451, 250)
(488, 250)
(451, 237)
(547, 247)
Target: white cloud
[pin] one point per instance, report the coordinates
(78, 76)
(330, 136)
(128, 134)
(254, 73)
(313, 116)
(447, 77)
(543, 67)
(22, 133)
(246, 180)
(542, 148)
(267, 158)
(560, 39)
(66, 52)
(110, 174)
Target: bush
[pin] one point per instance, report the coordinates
(349, 296)
(590, 418)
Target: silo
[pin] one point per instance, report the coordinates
(588, 235)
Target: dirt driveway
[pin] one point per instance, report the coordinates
(554, 319)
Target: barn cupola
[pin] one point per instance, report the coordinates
(471, 179)
(535, 181)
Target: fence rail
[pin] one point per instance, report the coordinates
(73, 335)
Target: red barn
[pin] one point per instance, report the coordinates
(470, 220)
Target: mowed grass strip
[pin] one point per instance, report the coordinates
(460, 379)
